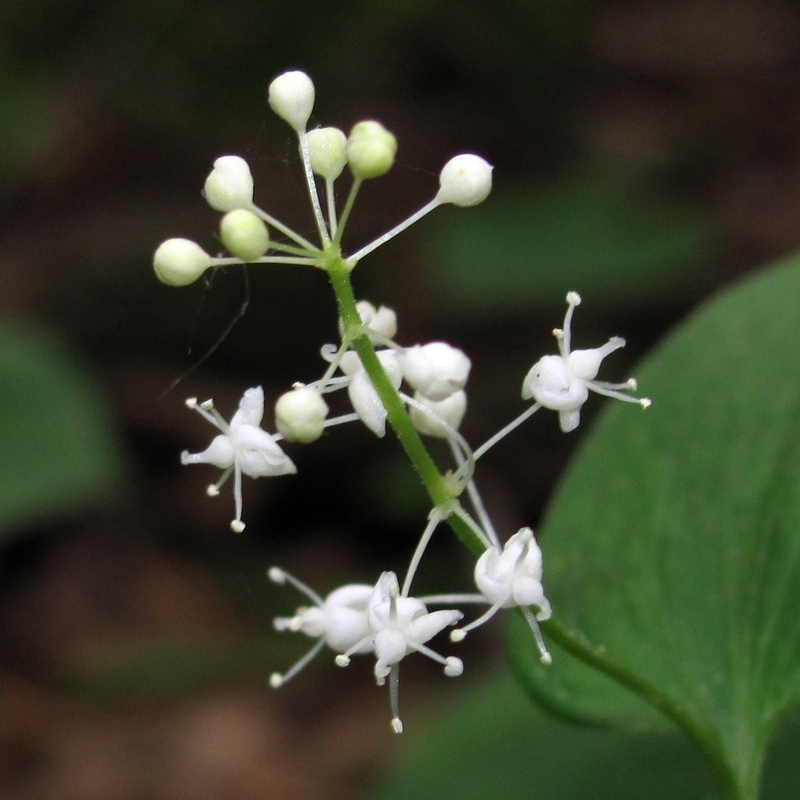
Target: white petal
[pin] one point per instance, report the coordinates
(251, 408)
(220, 453)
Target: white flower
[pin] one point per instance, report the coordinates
(242, 448)
(339, 621)
(291, 97)
(562, 383)
(465, 180)
(229, 185)
(436, 370)
(398, 626)
(366, 402)
(512, 577)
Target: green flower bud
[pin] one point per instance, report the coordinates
(179, 262)
(327, 148)
(370, 149)
(300, 414)
(244, 234)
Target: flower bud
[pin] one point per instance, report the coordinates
(435, 370)
(230, 184)
(300, 414)
(244, 234)
(465, 180)
(327, 149)
(291, 97)
(450, 410)
(179, 262)
(370, 150)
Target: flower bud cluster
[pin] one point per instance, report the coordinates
(419, 389)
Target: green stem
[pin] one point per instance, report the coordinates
(439, 488)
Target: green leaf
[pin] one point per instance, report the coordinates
(611, 234)
(58, 452)
(490, 744)
(672, 549)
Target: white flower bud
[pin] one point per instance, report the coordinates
(230, 184)
(179, 262)
(451, 410)
(435, 370)
(327, 149)
(466, 180)
(244, 234)
(370, 149)
(291, 97)
(300, 414)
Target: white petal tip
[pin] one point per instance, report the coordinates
(237, 526)
(397, 725)
(341, 661)
(276, 575)
(276, 680)
(212, 490)
(458, 635)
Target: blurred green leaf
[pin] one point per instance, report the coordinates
(607, 233)
(672, 546)
(154, 667)
(58, 451)
(495, 745)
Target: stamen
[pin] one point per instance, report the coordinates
(213, 489)
(276, 679)
(394, 698)
(459, 634)
(279, 576)
(544, 655)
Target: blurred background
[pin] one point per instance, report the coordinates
(646, 153)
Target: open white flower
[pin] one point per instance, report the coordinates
(339, 621)
(562, 383)
(243, 447)
(512, 577)
(398, 626)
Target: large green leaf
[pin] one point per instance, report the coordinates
(491, 745)
(672, 550)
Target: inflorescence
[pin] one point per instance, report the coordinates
(383, 620)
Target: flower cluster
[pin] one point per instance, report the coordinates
(419, 389)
